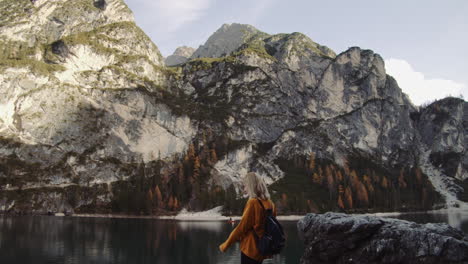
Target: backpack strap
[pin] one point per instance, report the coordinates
(255, 233)
(261, 204)
(270, 210)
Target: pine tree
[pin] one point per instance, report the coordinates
(159, 199)
(419, 176)
(170, 203)
(362, 195)
(196, 168)
(340, 189)
(329, 171)
(340, 203)
(316, 178)
(368, 183)
(205, 153)
(191, 152)
(384, 182)
(346, 167)
(339, 176)
(284, 201)
(349, 197)
(312, 161)
(401, 180)
(331, 185)
(180, 174)
(213, 156)
(149, 195)
(424, 196)
(149, 202)
(354, 180)
(209, 134)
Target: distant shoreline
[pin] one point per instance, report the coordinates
(182, 218)
(214, 215)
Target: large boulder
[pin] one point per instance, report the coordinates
(341, 238)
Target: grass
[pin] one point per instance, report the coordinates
(13, 10)
(18, 54)
(201, 64)
(257, 47)
(34, 65)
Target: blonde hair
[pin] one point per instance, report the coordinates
(256, 187)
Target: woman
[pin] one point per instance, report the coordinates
(253, 220)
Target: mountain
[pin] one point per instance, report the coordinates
(227, 39)
(181, 55)
(92, 121)
(81, 92)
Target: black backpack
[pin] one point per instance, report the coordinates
(273, 240)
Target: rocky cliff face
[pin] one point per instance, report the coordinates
(340, 238)
(443, 129)
(91, 120)
(78, 100)
(181, 55)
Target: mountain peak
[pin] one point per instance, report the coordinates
(228, 38)
(180, 55)
(184, 51)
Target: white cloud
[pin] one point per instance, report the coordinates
(418, 87)
(167, 16)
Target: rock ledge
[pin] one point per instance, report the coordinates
(341, 238)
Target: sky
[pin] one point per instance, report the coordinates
(424, 42)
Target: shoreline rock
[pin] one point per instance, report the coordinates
(341, 238)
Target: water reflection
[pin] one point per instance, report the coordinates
(97, 240)
(456, 218)
(42, 239)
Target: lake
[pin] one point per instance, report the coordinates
(45, 239)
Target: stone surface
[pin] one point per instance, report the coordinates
(225, 40)
(181, 55)
(341, 238)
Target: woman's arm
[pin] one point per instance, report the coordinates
(246, 224)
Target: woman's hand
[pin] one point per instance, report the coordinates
(222, 247)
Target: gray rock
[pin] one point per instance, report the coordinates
(225, 40)
(181, 55)
(341, 238)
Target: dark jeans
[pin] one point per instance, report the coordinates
(247, 260)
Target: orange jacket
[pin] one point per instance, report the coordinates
(253, 218)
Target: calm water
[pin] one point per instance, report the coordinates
(458, 219)
(42, 239)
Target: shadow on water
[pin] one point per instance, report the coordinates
(41, 239)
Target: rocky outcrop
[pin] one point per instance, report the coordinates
(443, 126)
(227, 39)
(340, 238)
(181, 55)
(81, 103)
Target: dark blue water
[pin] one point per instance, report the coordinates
(42, 239)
